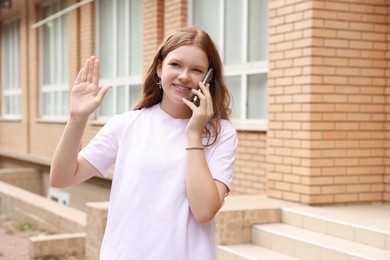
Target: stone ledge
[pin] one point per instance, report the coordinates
(29, 179)
(57, 245)
(26, 206)
(25, 157)
(96, 219)
(239, 213)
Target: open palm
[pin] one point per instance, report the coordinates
(85, 96)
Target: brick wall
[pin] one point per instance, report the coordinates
(175, 15)
(387, 110)
(327, 140)
(250, 165)
(327, 86)
(153, 29)
(14, 133)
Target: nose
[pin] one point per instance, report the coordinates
(184, 76)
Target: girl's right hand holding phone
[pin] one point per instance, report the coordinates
(85, 95)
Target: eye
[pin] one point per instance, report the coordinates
(174, 64)
(198, 71)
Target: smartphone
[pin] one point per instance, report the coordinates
(207, 79)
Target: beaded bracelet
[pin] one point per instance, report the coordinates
(194, 148)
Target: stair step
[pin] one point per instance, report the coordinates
(346, 229)
(306, 244)
(249, 252)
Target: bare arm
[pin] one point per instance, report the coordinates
(205, 195)
(67, 167)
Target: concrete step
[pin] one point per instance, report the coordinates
(306, 244)
(349, 226)
(249, 252)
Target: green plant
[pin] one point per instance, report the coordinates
(26, 226)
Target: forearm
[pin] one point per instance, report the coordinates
(202, 192)
(65, 160)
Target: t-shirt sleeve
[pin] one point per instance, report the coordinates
(223, 154)
(102, 149)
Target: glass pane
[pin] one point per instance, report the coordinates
(64, 102)
(106, 108)
(63, 4)
(46, 73)
(258, 30)
(45, 43)
(57, 103)
(56, 59)
(46, 103)
(121, 41)
(7, 105)
(18, 105)
(12, 52)
(135, 37)
(233, 32)
(16, 69)
(106, 38)
(12, 105)
(6, 57)
(234, 85)
(121, 99)
(135, 94)
(45, 11)
(257, 96)
(206, 16)
(64, 50)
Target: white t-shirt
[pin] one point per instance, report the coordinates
(149, 216)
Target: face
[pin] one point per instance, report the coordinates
(180, 72)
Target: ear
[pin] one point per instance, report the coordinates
(159, 69)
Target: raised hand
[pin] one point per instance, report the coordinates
(85, 96)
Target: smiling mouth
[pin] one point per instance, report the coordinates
(181, 87)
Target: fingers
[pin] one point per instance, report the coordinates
(91, 68)
(90, 71)
(189, 104)
(85, 71)
(78, 79)
(205, 89)
(102, 93)
(95, 73)
(205, 98)
(203, 92)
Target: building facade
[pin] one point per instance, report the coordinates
(308, 80)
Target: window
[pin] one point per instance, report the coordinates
(10, 75)
(59, 196)
(240, 29)
(53, 63)
(119, 48)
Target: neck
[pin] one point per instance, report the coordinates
(179, 111)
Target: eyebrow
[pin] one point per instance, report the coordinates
(196, 65)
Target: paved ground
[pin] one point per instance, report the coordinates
(14, 241)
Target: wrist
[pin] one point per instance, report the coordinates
(194, 141)
(78, 119)
(193, 136)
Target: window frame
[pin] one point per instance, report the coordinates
(54, 87)
(13, 90)
(243, 69)
(128, 81)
